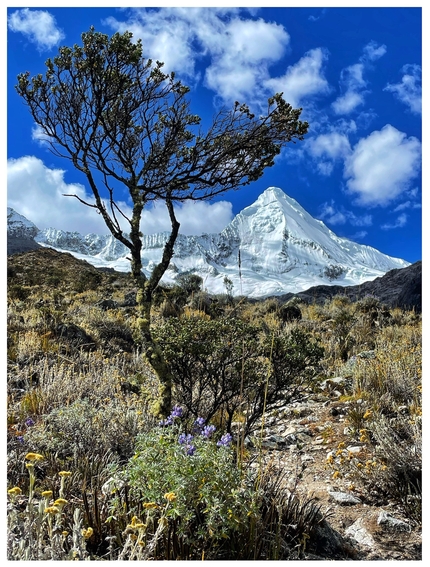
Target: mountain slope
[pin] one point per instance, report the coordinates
(20, 233)
(270, 248)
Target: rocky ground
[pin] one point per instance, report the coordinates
(302, 439)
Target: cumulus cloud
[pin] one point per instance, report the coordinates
(352, 82)
(382, 166)
(30, 181)
(304, 79)
(409, 90)
(398, 223)
(348, 102)
(39, 26)
(333, 145)
(240, 67)
(239, 52)
(326, 149)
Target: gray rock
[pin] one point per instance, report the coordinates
(106, 304)
(344, 498)
(359, 533)
(392, 524)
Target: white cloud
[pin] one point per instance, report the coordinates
(195, 217)
(30, 181)
(39, 136)
(239, 52)
(358, 235)
(348, 102)
(240, 64)
(165, 35)
(372, 51)
(326, 149)
(333, 215)
(302, 80)
(333, 145)
(325, 168)
(407, 205)
(409, 90)
(382, 166)
(38, 26)
(399, 222)
(352, 81)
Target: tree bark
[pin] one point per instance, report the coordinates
(163, 404)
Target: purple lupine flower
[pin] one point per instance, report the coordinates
(20, 439)
(177, 411)
(208, 430)
(29, 422)
(190, 449)
(225, 440)
(199, 423)
(167, 421)
(185, 438)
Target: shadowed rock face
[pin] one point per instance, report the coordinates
(16, 244)
(20, 233)
(397, 288)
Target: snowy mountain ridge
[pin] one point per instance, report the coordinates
(271, 247)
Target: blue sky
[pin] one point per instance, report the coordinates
(356, 72)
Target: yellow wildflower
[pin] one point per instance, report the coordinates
(136, 523)
(87, 533)
(170, 496)
(65, 473)
(51, 510)
(60, 502)
(367, 414)
(47, 493)
(336, 474)
(34, 457)
(150, 505)
(64, 533)
(14, 490)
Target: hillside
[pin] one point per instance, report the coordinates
(398, 288)
(336, 452)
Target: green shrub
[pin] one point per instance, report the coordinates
(190, 485)
(223, 366)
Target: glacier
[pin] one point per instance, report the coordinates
(270, 248)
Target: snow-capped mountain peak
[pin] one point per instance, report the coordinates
(18, 226)
(271, 247)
